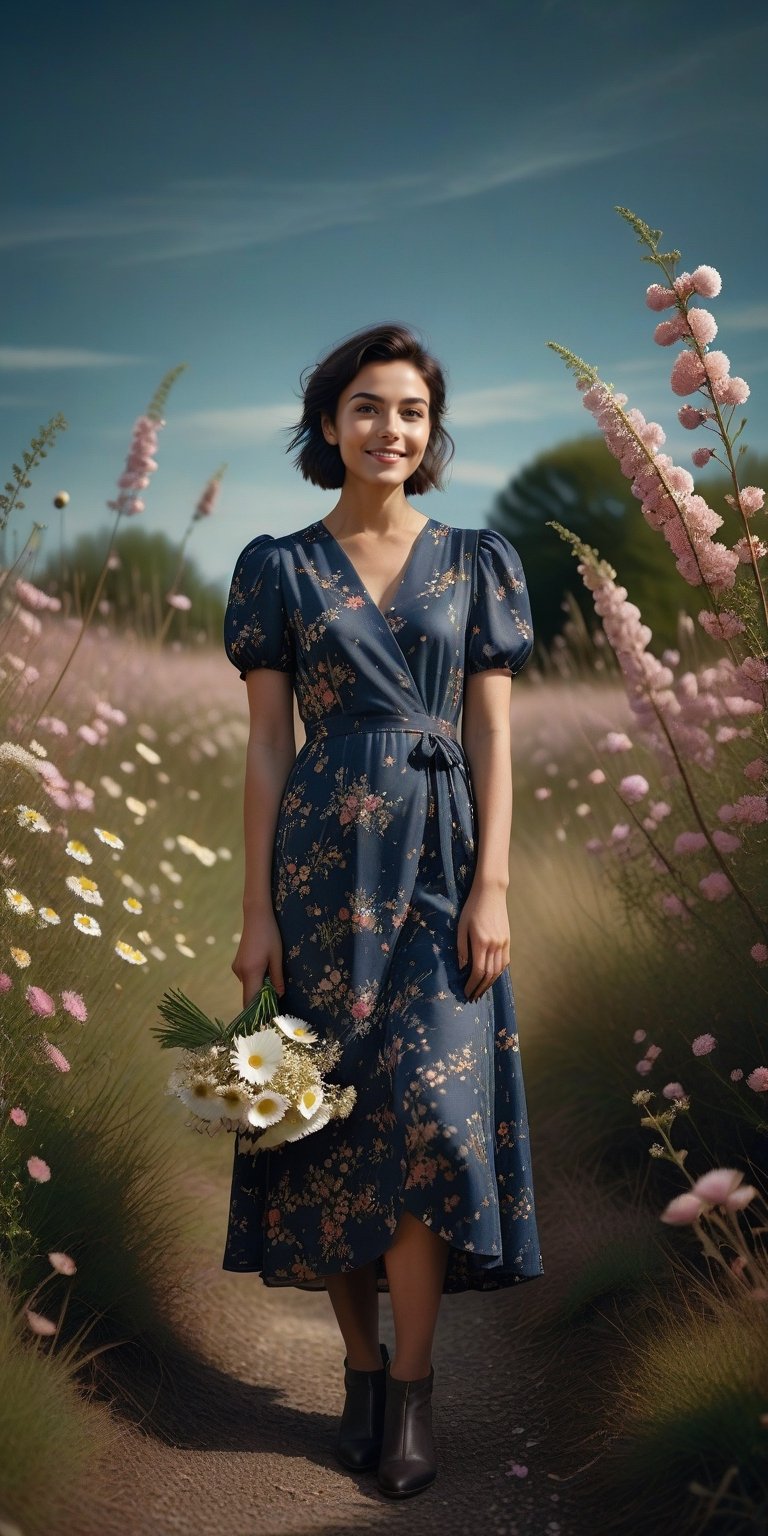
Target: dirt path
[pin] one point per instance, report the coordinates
(243, 1438)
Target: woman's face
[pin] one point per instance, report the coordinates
(382, 422)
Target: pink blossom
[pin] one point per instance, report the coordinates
(745, 548)
(682, 1210)
(755, 768)
(668, 332)
(749, 808)
(657, 297)
(688, 373)
(683, 285)
(758, 1080)
(736, 1075)
(721, 1187)
(38, 1169)
(706, 281)
(206, 503)
(673, 1091)
(691, 417)
(731, 391)
(63, 1263)
(517, 1469)
(716, 364)
(74, 1005)
(643, 1066)
(596, 776)
(633, 788)
(716, 887)
(18, 1115)
(56, 1056)
(615, 741)
(178, 600)
(703, 326)
(139, 465)
(639, 1036)
(751, 498)
(542, 792)
(39, 1324)
(689, 842)
(701, 457)
(672, 905)
(40, 1002)
(725, 842)
(653, 1051)
(703, 1045)
(5, 982)
(759, 952)
(660, 809)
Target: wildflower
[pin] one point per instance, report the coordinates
(701, 457)
(38, 1169)
(17, 901)
(639, 1036)
(633, 788)
(615, 741)
(758, 1080)
(178, 600)
(749, 808)
(294, 1028)
(5, 982)
(39, 1324)
(111, 838)
(310, 1100)
(86, 924)
(74, 1005)
(127, 952)
(31, 819)
(642, 1096)
(257, 1056)
(22, 957)
(62, 1263)
(707, 282)
(132, 905)
(86, 888)
(78, 850)
(17, 1115)
(719, 1186)
(267, 1109)
(683, 1209)
(759, 952)
(691, 417)
(721, 626)
(56, 1056)
(201, 1095)
(235, 1100)
(40, 1002)
(673, 1091)
(703, 1045)
(148, 753)
(48, 915)
(689, 842)
(657, 297)
(138, 467)
(715, 887)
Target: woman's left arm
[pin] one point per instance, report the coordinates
(483, 928)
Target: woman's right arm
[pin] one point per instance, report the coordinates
(270, 755)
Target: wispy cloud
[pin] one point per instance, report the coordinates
(47, 359)
(744, 317)
(241, 424)
(479, 472)
(202, 217)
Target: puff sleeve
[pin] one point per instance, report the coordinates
(500, 627)
(256, 628)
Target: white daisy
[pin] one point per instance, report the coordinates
(304, 1127)
(78, 851)
(275, 1135)
(310, 1100)
(86, 888)
(129, 953)
(295, 1029)
(256, 1057)
(266, 1109)
(111, 838)
(132, 905)
(17, 900)
(199, 1094)
(48, 914)
(86, 924)
(235, 1100)
(32, 819)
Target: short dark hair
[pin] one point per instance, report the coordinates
(320, 461)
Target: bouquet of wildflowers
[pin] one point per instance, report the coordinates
(260, 1075)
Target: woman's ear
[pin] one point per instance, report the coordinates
(328, 429)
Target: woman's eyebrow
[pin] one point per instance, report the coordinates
(366, 393)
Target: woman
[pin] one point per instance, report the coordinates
(376, 871)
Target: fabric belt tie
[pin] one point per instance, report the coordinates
(437, 738)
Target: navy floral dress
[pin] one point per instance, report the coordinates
(374, 853)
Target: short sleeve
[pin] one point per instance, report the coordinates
(500, 627)
(256, 628)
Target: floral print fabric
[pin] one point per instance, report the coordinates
(373, 858)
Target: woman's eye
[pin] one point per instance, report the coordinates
(410, 409)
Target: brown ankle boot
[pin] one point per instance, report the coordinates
(362, 1421)
(408, 1462)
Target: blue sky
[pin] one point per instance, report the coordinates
(239, 187)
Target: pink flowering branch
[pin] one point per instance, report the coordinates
(133, 478)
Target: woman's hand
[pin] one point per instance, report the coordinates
(260, 950)
(483, 933)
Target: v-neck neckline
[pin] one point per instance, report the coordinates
(358, 578)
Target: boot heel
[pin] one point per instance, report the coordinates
(358, 1443)
(408, 1463)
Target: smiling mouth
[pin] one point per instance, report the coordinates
(383, 453)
